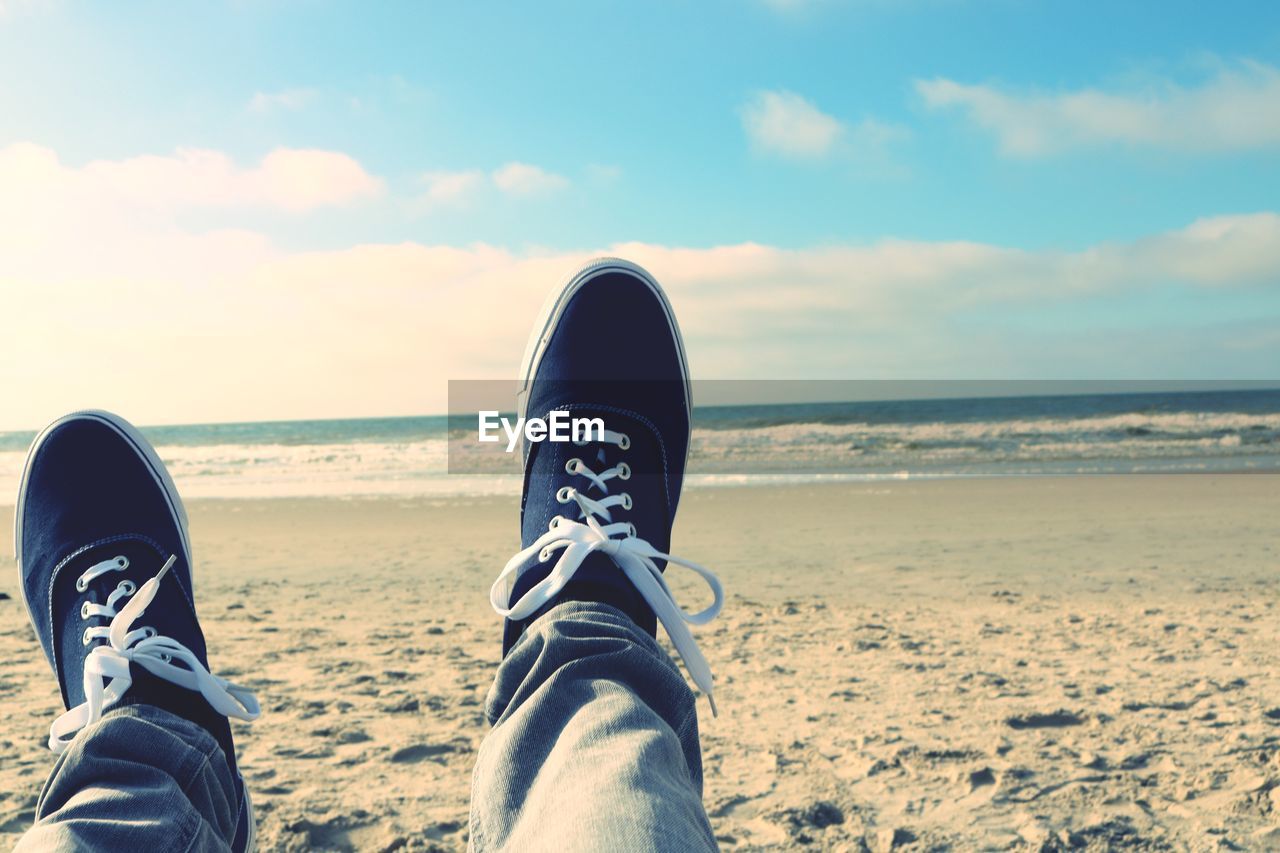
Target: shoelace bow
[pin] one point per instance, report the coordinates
(106, 668)
(633, 555)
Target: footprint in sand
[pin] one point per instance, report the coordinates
(401, 704)
(423, 752)
(803, 823)
(981, 778)
(341, 734)
(1055, 720)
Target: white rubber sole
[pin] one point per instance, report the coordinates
(553, 309)
(145, 452)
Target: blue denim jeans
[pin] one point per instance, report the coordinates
(138, 779)
(594, 746)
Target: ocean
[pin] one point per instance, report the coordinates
(1213, 431)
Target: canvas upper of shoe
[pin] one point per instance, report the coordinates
(107, 582)
(600, 513)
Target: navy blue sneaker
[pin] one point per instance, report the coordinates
(606, 348)
(100, 536)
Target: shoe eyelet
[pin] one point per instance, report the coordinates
(624, 441)
(84, 610)
(555, 522)
(129, 587)
(624, 471)
(81, 584)
(85, 639)
(544, 555)
(150, 632)
(626, 501)
(562, 495)
(572, 465)
(122, 562)
(631, 530)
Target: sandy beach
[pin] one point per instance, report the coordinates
(1040, 663)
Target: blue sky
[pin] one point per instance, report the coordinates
(1049, 180)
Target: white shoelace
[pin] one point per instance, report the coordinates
(106, 669)
(634, 556)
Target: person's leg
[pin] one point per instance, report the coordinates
(146, 761)
(140, 778)
(594, 743)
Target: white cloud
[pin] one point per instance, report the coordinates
(444, 187)
(113, 308)
(1237, 109)
(523, 179)
(287, 178)
(453, 188)
(787, 124)
(300, 179)
(289, 100)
